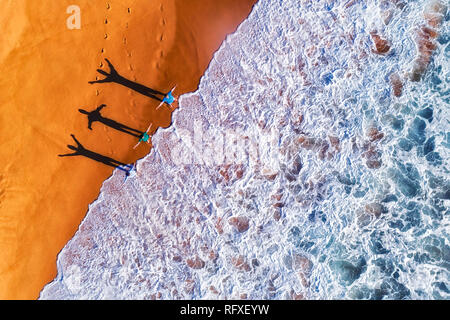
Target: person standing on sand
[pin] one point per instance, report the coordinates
(168, 99)
(145, 137)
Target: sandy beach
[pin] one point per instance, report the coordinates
(45, 70)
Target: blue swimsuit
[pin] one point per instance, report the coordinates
(169, 99)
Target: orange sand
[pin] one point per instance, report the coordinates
(45, 71)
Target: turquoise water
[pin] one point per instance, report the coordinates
(293, 170)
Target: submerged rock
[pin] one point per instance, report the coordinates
(195, 263)
(241, 224)
(382, 46)
(397, 84)
(375, 209)
(433, 13)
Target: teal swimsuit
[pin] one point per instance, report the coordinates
(145, 137)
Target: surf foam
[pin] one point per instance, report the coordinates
(293, 172)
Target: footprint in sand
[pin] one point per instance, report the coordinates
(160, 38)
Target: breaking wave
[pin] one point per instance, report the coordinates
(312, 163)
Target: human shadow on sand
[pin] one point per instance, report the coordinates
(81, 151)
(114, 76)
(95, 115)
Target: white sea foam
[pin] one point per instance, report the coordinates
(303, 184)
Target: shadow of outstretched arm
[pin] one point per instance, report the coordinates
(76, 153)
(78, 149)
(100, 107)
(69, 154)
(112, 76)
(79, 145)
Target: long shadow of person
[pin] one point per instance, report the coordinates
(114, 76)
(81, 151)
(95, 115)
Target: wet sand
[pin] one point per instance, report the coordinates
(45, 71)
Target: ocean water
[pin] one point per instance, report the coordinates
(293, 172)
